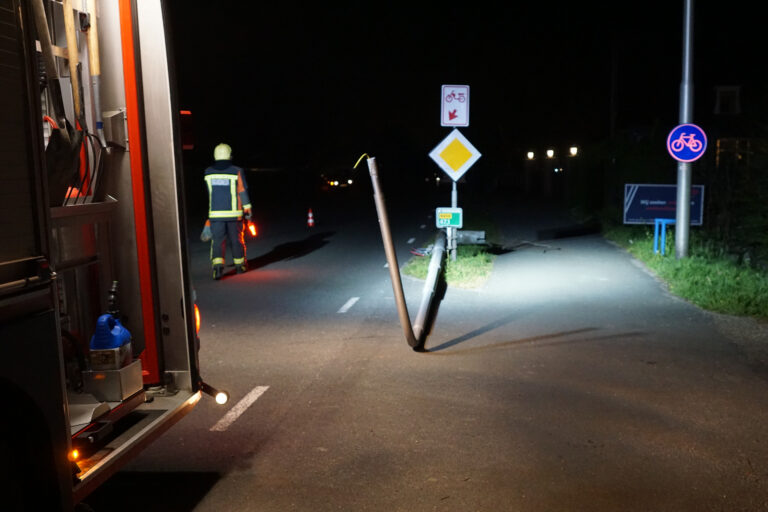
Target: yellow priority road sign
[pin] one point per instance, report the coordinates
(455, 155)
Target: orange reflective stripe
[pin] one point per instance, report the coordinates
(150, 358)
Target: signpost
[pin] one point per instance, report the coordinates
(686, 116)
(455, 155)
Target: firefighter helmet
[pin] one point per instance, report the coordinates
(222, 152)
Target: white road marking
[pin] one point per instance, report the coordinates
(386, 265)
(348, 304)
(422, 226)
(239, 408)
(410, 240)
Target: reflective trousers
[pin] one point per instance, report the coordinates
(223, 230)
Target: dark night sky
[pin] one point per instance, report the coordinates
(291, 84)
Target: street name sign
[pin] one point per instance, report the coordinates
(449, 218)
(455, 155)
(455, 105)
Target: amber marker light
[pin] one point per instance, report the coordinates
(197, 319)
(73, 455)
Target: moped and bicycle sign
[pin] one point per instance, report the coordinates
(455, 105)
(686, 142)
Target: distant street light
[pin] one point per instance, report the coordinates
(574, 150)
(531, 155)
(550, 153)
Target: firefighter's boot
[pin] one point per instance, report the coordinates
(241, 264)
(218, 271)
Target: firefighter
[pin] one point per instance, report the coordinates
(228, 201)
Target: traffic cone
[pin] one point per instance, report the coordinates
(310, 219)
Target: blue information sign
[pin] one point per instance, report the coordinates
(643, 203)
(686, 142)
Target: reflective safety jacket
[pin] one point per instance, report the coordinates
(227, 191)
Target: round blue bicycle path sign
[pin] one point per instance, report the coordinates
(686, 142)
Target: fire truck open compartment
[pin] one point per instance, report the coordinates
(60, 259)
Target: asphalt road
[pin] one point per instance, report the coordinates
(571, 381)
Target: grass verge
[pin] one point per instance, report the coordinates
(471, 269)
(473, 264)
(705, 278)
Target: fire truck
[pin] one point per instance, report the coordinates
(98, 335)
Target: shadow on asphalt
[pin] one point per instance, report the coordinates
(498, 250)
(291, 250)
(589, 228)
(532, 341)
(129, 491)
(472, 334)
(287, 251)
(498, 323)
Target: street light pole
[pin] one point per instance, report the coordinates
(683, 214)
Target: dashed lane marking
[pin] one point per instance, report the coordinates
(347, 305)
(410, 240)
(239, 408)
